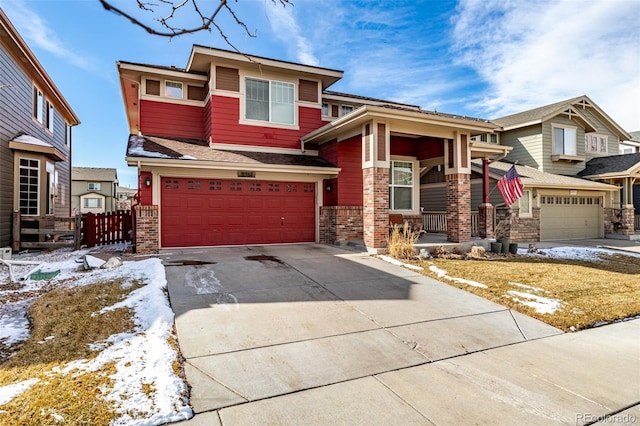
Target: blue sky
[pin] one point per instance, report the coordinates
(482, 58)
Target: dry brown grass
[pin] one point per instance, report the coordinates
(65, 314)
(591, 291)
(401, 242)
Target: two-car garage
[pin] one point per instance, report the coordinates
(212, 212)
(570, 217)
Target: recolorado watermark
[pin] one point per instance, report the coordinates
(619, 418)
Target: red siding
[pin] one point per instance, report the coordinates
(171, 120)
(404, 146)
(350, 177)
(145, 192)
(430, 148)
(225, 126)
(329, 151)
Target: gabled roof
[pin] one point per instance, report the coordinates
(570, 107)
(612, 166)
(24, 57)
(94, 174)
(534, 178)
(177, 153)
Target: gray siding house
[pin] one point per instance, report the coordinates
(94, 190)
(35, 137)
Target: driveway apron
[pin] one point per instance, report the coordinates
(270, 332)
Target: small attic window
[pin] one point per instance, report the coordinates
(153, 87)
(173, 89)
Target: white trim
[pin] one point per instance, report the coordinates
(528, 193)
(415, 198)
(179, 74)
(257, 148)
(553, 139)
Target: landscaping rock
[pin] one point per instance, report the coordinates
(91, 262)
(424, 254)
(113, 262)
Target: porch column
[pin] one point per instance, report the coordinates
(457, 154)
(485, 210)
(627, 219)
(375, 179)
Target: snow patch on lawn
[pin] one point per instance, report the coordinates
(399, 263)
(143, 358)
(542, 305)
(441, 273)
(577, 253)
(7, 393)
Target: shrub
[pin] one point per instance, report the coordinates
(401, 242)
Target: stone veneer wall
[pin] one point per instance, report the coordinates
(375, 214)
(147, 224)
(458, 207)
(516, 228)
(340, 223)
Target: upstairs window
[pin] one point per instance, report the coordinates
(401, 185)
(67, 135)
(270, 101)
(94, 186)
(595, 143)
(50, 119)
(38, 105)
(564, 140)
(345, 109)
(325, 109)
(173, 89)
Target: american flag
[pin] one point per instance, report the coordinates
(510, 186)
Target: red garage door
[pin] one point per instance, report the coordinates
(213, 212)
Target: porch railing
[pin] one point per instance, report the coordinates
(437, 222)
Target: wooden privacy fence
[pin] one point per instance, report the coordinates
(90, 229)
(41, 232)
(106, 228)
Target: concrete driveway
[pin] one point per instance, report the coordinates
(312, 334)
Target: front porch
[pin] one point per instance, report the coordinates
(393, 148)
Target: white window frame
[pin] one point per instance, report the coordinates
(526, 201)
(346, 109)
(415, 185)
(600, 141)
(326, 109)
(564, 142)
(38, 105)
(85, 202)
(50, 116)
(94, 186)
(167, 93)
(29, 192)
(67, 134)
(271, 102)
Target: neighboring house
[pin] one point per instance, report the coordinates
(632, 145)
(35, 138)
(238, 149)
(94, 189)
(575, 138)
(125, 197)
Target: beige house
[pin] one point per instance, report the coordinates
(93, 190)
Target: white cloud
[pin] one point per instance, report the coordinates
(535, 53)
(36, 31)
(286, 28)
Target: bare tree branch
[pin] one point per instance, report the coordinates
(207, 20)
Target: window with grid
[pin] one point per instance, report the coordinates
(29, 186)
(401, 185)
(93, 203)
(271, 101)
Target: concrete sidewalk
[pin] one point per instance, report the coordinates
(311, 334)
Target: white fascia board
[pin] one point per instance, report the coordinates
(214, 165)
(161, 71)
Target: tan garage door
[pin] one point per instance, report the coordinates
(571, 217)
